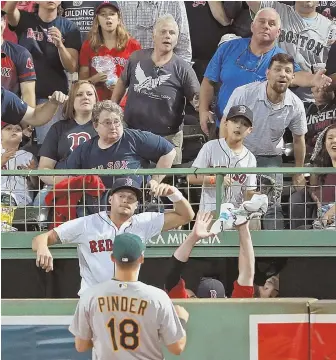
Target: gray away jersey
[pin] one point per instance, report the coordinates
(126, 321)
(308, 42)
(95, 235)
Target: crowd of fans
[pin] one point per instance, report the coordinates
(107, 85)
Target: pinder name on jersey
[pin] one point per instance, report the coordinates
(101, 245)
(122, 303)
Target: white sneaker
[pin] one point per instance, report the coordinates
(225, 220)
(257, 204)
(230, 217)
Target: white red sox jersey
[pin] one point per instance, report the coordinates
(307, 40)
(95, 235)
(216, 153)
(17, 186)
(126, 320)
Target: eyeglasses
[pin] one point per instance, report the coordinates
(243, 66)
(109, 123)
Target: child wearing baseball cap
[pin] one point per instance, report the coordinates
(15, 190)
(227, 153)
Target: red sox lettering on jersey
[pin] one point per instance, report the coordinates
(6, 72)
(123, 165)
(239, 177)
(101, 245)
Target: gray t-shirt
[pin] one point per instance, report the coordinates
(156, 95)
(307, 41)
(127, 321)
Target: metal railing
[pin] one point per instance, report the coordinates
(282, 242)
(40, 216)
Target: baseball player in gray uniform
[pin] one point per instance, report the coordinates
(95, 233)
(124, 318)
(305, 34)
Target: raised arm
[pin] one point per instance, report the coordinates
(254, 6)
(182, 213)
(13, 14)
(43, 113)
(218, 12)
(246, 261)
(182, 253)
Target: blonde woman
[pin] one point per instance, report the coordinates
(104, 55)
(66, 135)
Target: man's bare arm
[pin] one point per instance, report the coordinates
(246, 261)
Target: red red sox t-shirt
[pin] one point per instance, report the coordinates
(107, 60)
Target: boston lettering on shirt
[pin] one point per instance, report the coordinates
(32, 33)
(16, 67)
(80, 13)
(156, 95)
(64, 137)
(13, 109)
(307, 41)
(318, 118)
(110, 61)
(135, 150)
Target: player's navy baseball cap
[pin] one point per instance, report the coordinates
(126, 183)
(210, 288)
(127, 248)
(240, 110)
(106, 3)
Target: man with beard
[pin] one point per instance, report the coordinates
(274, 108)
(243, 61)
(305, 34)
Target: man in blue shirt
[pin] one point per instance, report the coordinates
(243, 61)
(118, 148)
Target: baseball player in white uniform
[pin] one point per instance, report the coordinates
(95, 233)
(229, 153)
(124, 318)
(305, 34)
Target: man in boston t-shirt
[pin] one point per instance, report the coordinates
(305, 35)
(54, 43)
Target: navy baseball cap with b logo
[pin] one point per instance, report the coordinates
(240, 110)
(128, 248)
(126, 183)
(210, 288)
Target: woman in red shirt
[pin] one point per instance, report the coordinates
(104, 55)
